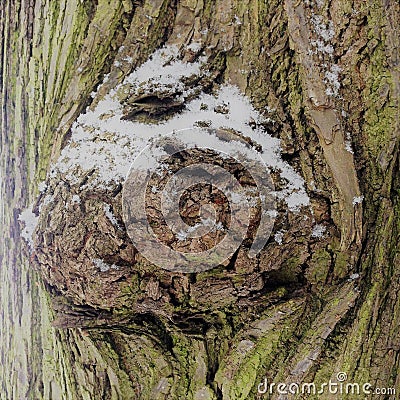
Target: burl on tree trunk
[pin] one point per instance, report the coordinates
(313, 88)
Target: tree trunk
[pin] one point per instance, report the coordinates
(321, 299)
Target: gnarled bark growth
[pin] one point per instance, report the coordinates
(325, 76)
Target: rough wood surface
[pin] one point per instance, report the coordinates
(299, 313)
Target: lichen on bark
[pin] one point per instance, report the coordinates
(304, 310)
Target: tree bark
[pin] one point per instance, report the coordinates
(327, 74)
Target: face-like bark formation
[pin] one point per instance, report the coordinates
(83, 242)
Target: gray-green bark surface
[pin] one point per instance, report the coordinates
(306, 321)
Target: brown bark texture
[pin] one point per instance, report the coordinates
(320, 300)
